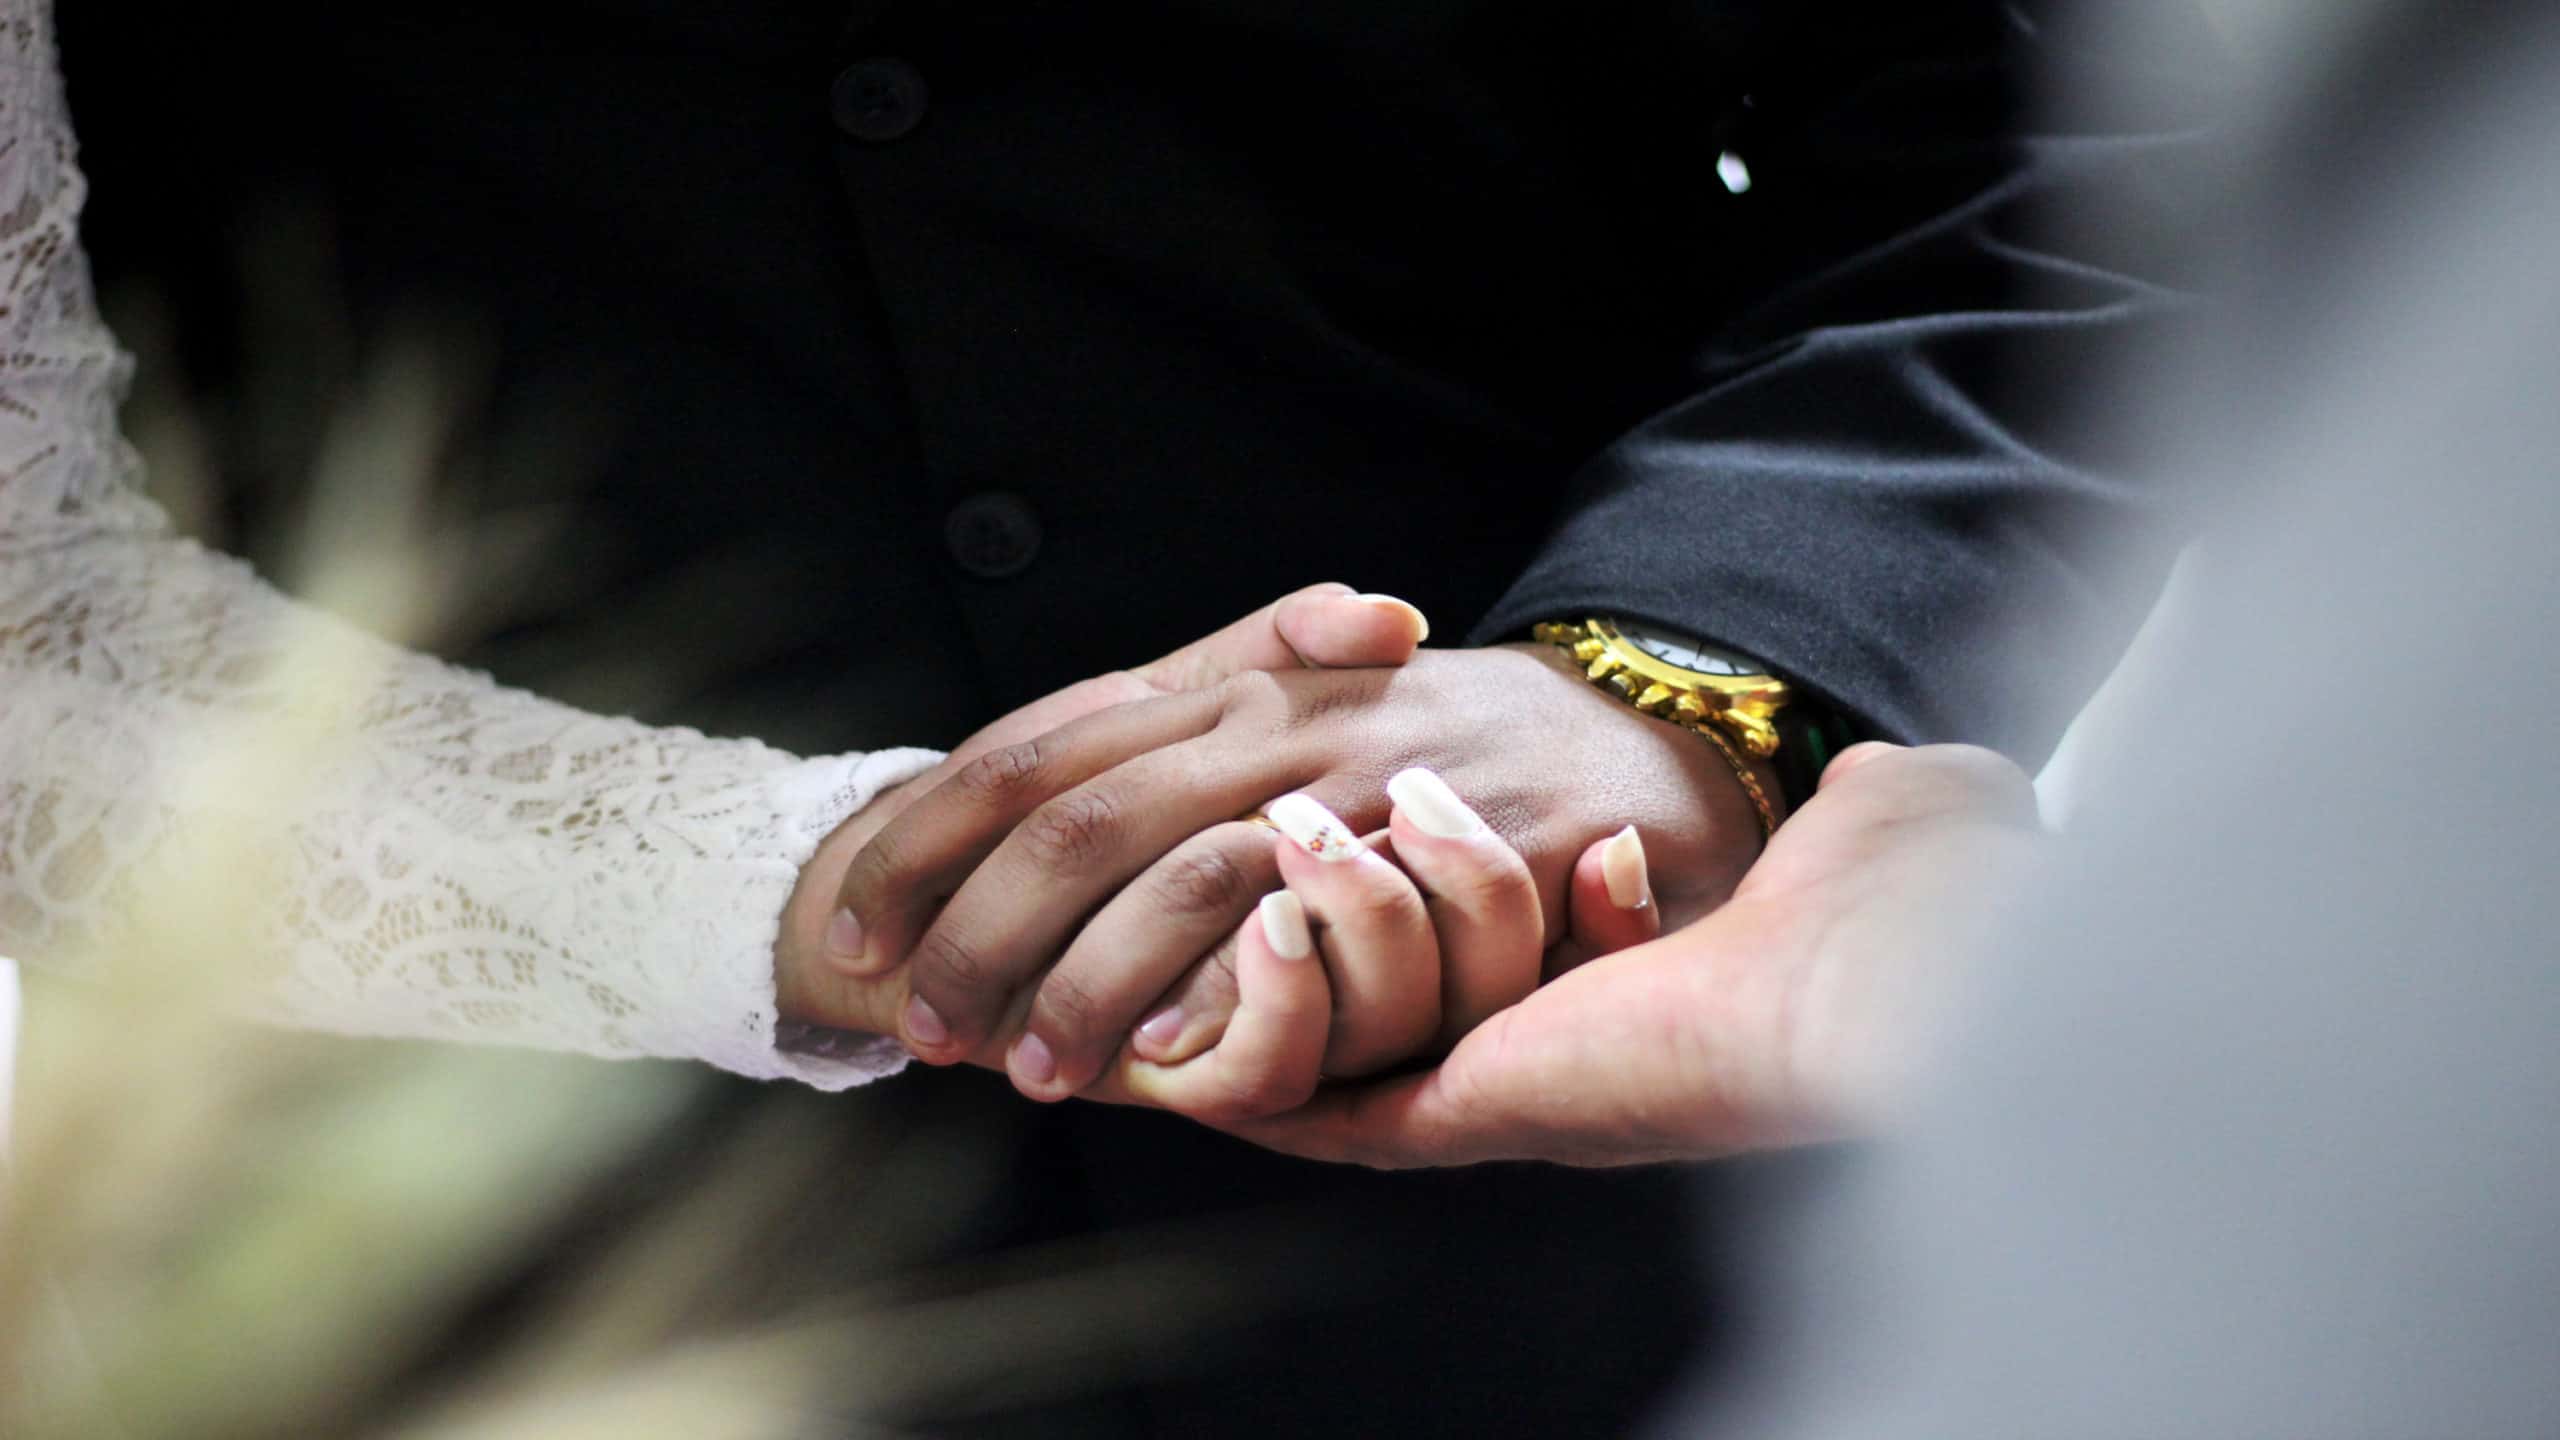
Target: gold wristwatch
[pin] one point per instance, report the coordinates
(1722, 696)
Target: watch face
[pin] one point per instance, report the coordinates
(1688, 652)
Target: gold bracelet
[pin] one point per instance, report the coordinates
(1743, 772)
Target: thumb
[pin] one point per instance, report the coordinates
(1322, 626)
(1404, 1123)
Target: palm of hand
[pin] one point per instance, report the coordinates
(1762, 1024)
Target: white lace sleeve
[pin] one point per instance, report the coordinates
(448, 858)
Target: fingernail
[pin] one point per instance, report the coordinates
(1315, 829)
(1427, 801)
(1284, 924)
(1163, 1027)
(1032, 1061)
(844, 940)
(1421, 622)
(924, 1026)
(1622, 870)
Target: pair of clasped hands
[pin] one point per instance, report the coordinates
(1256, 880)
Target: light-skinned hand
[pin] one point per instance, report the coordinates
(1785, 1016)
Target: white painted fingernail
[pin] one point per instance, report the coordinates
(1315, 829)
(1428, 802)
(1284, 924)
(1622, 870)
(1421, 622)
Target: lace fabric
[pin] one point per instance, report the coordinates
(441, 856)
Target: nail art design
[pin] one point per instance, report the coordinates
(1313, 828)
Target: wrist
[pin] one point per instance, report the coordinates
(1712, 784)
(1765, 772)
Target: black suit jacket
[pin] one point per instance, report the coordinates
(1445, 299)
(864, 400)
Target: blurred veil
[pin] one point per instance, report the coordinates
(2251, 1128)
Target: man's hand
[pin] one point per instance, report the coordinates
(818, 974)
(1099, 863)
(1783, 1017)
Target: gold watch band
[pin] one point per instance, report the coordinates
(1733, 713)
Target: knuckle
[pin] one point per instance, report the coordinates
(875, 870)
(1211, 988)
(1003, 775)
(945, 962)
(1495, 878)
(1390, 909)
(1073, 831)
(1067, 1009)
(1251, 690)
(1204, 880)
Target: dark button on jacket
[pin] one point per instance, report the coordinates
(993, 536)
(878, 100)
(1442, 298)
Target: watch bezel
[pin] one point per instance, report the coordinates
(1760, 694)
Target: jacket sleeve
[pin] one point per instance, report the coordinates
(1887, 476)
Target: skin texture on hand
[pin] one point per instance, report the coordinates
(1089, 873)
(1783, 1017)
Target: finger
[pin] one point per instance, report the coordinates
(1322, 625)
(1944, 780)
(1407, 1122)
(1016, 912)
(1271, 1056)
(1132, 952)
(1482, 900)
(1191, 1017)
(1318, 627)
(889, 891)
(1374, 931)
(1612, 897)
(1855, 757)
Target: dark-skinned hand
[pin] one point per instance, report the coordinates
(1063, 889)
(1327, 624)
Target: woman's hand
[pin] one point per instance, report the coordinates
(1379, 949)
(1786, 1016)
